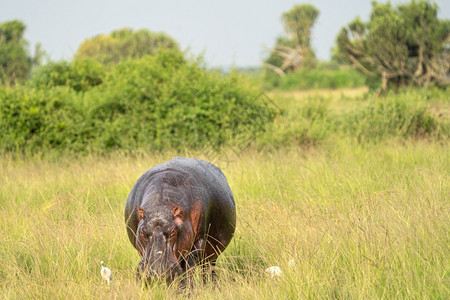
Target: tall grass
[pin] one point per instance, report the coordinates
(310, 118)
(360, 221)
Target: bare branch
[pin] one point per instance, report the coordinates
(275, 69)
(361, 67)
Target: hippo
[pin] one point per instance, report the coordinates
(179, 214)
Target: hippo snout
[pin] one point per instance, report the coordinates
(153, 273)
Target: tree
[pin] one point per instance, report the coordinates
(403, 45)
(294, 50)
(124, 43)
(15, 63)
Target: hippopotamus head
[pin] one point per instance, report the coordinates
(162, 238)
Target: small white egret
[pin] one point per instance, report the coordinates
(274, 271)
(291, 263)
(106, 273)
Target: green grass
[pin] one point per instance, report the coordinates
(319, 78)
(323, 116)
(156, 102)
(361, 221)
(352, 187)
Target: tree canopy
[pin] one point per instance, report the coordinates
(15, 62)
(404, 45)
(124, 43)
(294, 51)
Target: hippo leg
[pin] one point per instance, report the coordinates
(196, 254)
(188, 263)
(209, 271)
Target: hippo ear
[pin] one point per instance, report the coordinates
(141, 212)
(177, 212)
(178, 215)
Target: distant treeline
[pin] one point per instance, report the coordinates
(398, 46)
(402, 45)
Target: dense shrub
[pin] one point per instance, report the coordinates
(80, 75)
(403, 114)
(156, 102)
(37, 119)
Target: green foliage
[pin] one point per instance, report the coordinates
(123, 44)
(294, 51)
(309, 125)
(157, 102)
(38, 119)
(298, 23)
(395, 115)
(14, 59)
(275, 59)
(405, 45)
(316, 79)
(408, 114)
(80, 75)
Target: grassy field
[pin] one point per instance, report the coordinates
(365, 221)
(359, 222)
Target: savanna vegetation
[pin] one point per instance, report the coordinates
(354, 189)
(344, 188)
(81, 107)
(403, 45)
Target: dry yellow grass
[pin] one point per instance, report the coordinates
(359, 221)
(333, 93)
(339, 101)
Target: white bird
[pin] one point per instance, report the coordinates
(106, 273)
(274, 271)
(291, 263)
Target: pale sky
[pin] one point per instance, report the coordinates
(230, 32)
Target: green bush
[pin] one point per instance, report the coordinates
(36, 119)
(157, 102)
(184, 105)
(80, 75)
(404, 114)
